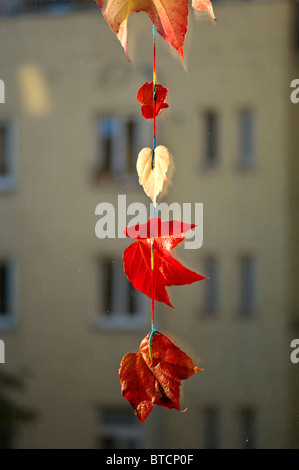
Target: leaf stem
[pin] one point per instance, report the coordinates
(150, 341)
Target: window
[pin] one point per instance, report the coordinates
(119, 429)
(211, 300)
(247, 418)
(7, 294)
(6, 436)
(118, 145)
(211, 136)
(247, 139)
(211, 428)
(7, 157)
(248, 294)
(121, 306)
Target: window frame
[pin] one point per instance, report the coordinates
(8, 180)
(7, 435)
(213, 283)
(121, 166)
(246, 159)
(211, 427)
(248, 288)
(248, 426)
(210, 161)
(123, 426)
(9, 319)
(118, 319)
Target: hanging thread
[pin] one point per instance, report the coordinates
(152, 167)
(154, 97)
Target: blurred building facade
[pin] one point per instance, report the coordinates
(70, 132)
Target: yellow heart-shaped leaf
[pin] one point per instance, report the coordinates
(152, 180)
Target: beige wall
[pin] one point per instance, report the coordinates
(293, 331)
(48, 222)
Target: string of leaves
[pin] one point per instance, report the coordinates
(153, 375)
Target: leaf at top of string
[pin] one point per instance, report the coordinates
(170, 17)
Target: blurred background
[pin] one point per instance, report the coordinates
(70, 133)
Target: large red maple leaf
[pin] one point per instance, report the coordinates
(162, 237)
(146, 381)
(170, 17)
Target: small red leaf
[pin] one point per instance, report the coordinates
(150, 107)
(146, 382)
(167, 270)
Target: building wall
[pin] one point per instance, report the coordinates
(293, 330)
(61, 73)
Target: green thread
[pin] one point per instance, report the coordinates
(154, 331)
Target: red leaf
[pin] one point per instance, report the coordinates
(167, 270)
(169, 16)
(146, 382)
(145, 96)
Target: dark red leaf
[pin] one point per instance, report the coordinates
(147, 382)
